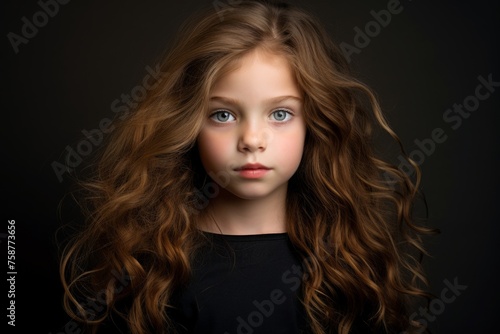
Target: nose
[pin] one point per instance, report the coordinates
(252, 137)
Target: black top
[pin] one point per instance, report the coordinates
(242, 284)
(248, 284)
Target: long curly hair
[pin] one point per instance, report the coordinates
(361, 244)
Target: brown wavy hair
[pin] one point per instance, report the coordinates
(361, 245)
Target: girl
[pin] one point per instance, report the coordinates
(244, 195)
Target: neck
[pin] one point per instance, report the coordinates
(231, 215)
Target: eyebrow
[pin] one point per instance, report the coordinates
(273, 100)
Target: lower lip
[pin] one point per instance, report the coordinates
(253, 173)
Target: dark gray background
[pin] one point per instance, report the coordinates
(428, 58)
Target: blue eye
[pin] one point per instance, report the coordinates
(281, 115)
(222, 116)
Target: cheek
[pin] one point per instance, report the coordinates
(290, 148)
(212, 149)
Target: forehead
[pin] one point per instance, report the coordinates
(258, 73)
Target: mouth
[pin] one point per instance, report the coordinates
(250, 167)
(252, 171)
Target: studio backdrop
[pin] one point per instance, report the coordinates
(70, 66)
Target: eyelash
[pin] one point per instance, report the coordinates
(286, 110)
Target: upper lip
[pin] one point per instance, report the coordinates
(252, 166)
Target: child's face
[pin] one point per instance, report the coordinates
(255, 117)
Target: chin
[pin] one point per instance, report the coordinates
(249, 195)
(252, 192)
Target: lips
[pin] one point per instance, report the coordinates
(252, 171)
(252, 167)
